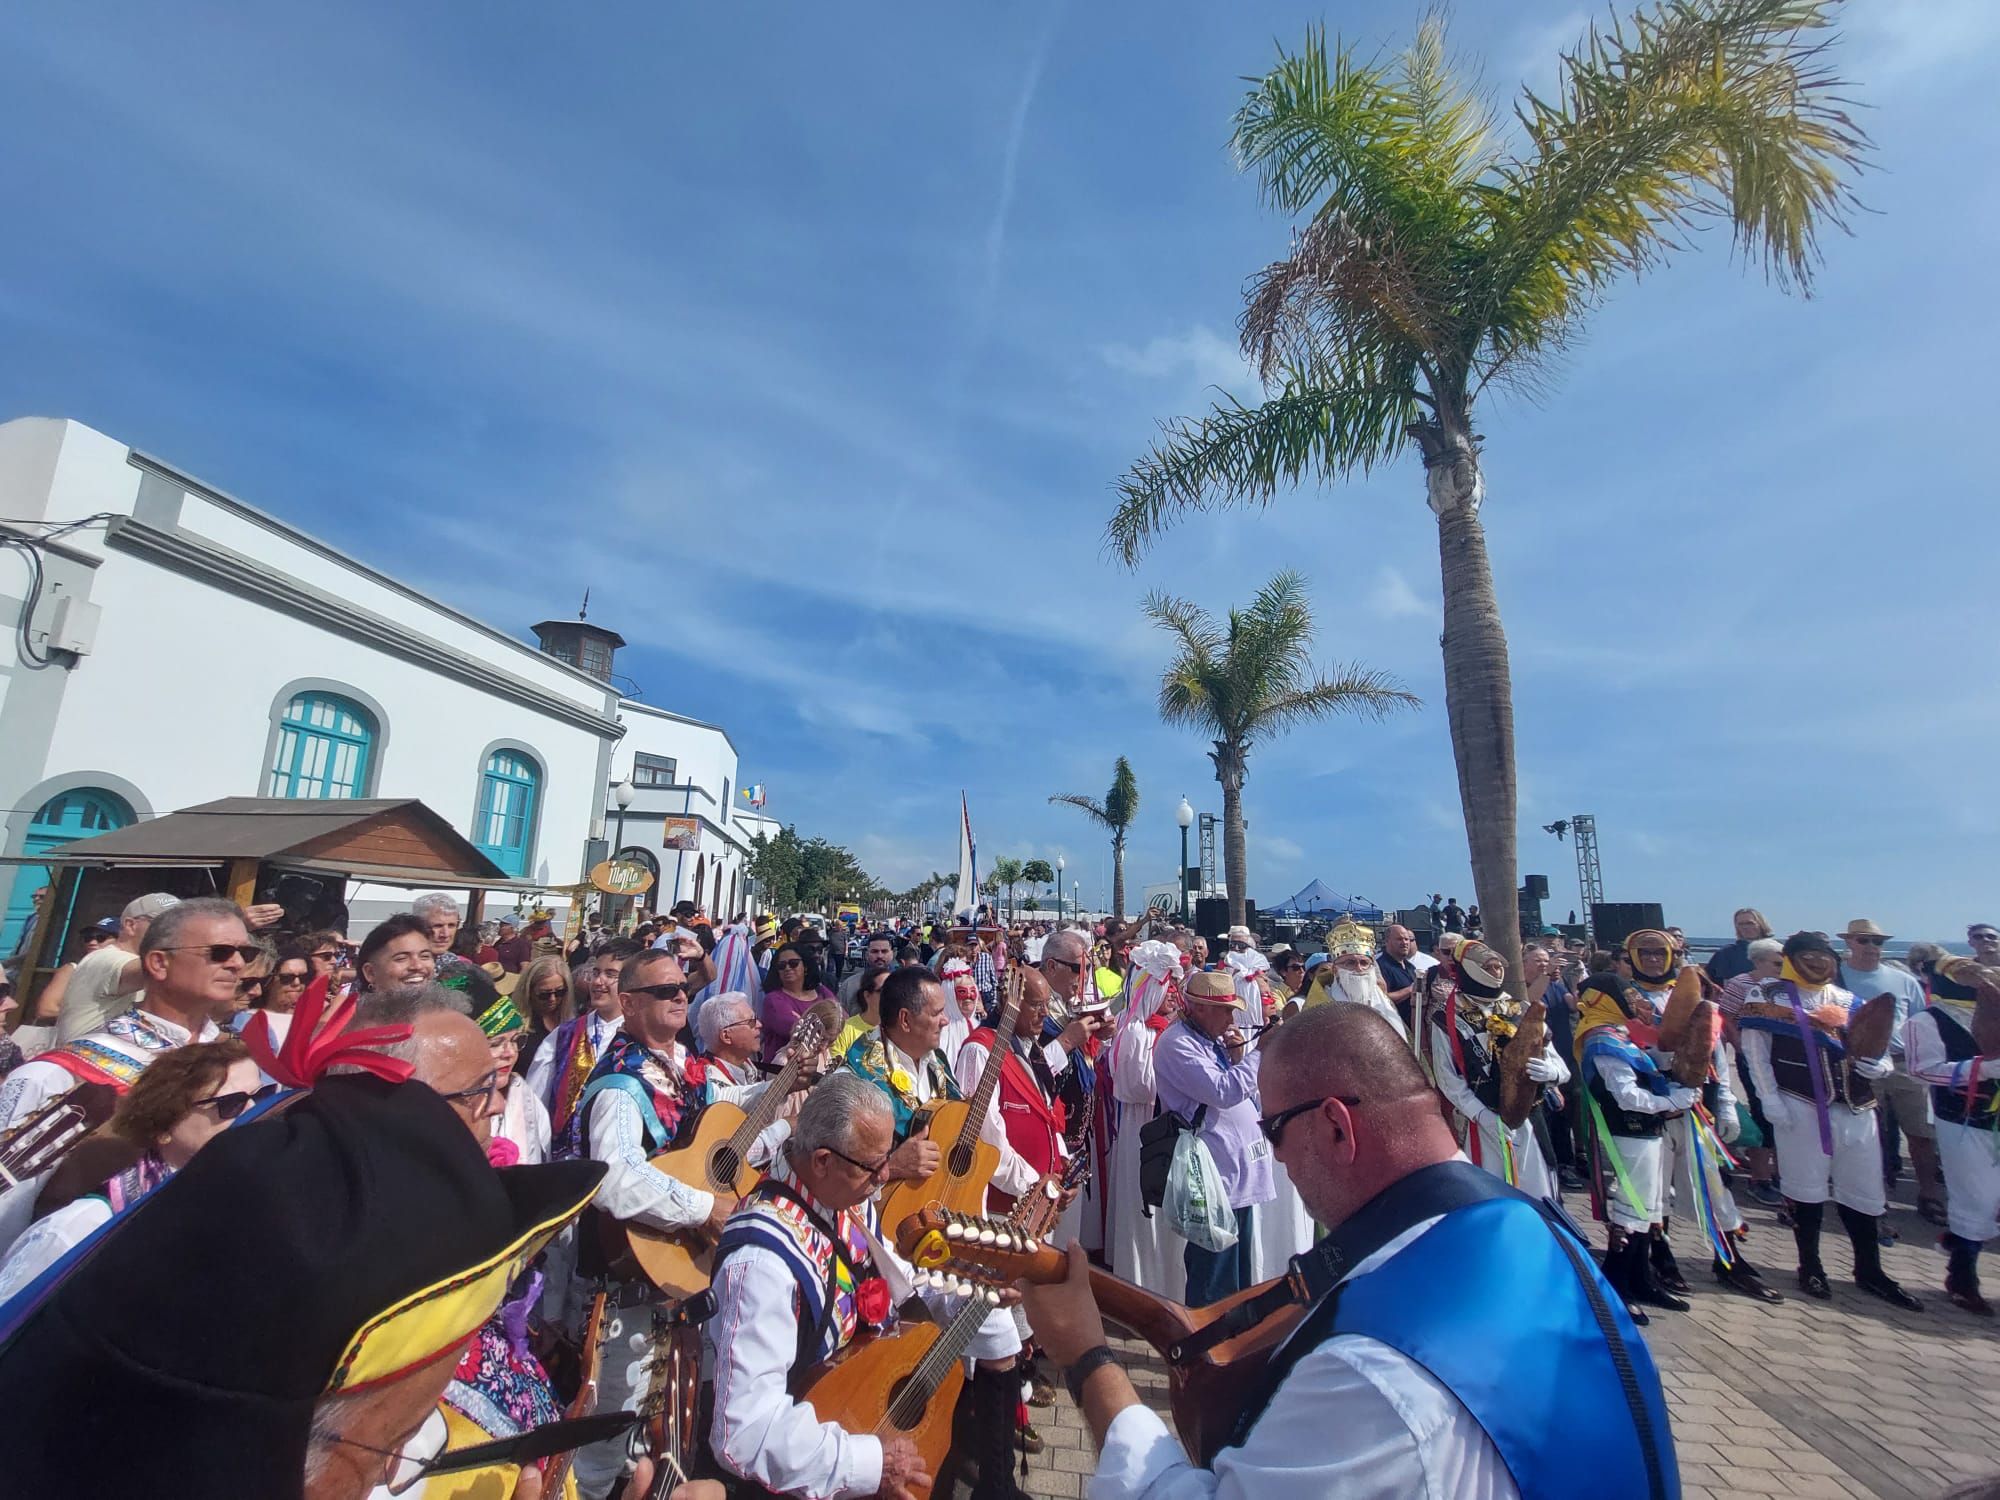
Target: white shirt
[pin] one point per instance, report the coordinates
(524, 1122)
(35, 1084)
(98, 990)
(632, 1188)
(1014, 1175)
(753, 1338)
(1353, 1419)
(49, 1240)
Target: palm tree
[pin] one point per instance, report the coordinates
(1250, 680)
(1007, 873)
(1435, 259)
(1116, 812)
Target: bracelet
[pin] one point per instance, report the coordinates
(1087, 1364)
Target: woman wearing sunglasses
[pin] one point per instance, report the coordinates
(546, 995)
(180, 1103)
(794, 989)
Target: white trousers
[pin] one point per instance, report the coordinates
(1971, 1162)
(1531, 1168)
(1851, 1176)
(1679, 1141)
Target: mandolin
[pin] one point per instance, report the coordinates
(968, 1163)
(716, 1159)
(904, 1384)
(45, 1137)
(1213, 1354)
(671, 1407)
(557, 1473)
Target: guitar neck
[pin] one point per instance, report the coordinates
(938, 1361)
(989, 1076)
(758, 1118)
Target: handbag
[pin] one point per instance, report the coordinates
(1157, 1138)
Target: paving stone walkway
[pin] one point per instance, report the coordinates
(1847, 1398)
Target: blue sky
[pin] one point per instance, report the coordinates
(812, 338)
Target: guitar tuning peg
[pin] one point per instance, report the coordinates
(991, 1296)
(1030, 1247)
(954, 1231)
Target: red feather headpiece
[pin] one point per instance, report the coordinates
(319, 1038)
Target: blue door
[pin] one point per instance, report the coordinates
(80, 814)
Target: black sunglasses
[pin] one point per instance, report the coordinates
(218, 953)
(291, 976)
(1273, 1126)
(1066, 963)
(672, 990)
(229, 1106)
(1873, 942)
(873, 1169)
(554, 994)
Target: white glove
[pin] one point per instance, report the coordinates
(1683, 1099)
(1989, 1067)
(1541, 1070)
(1873, 1067)
(1728, 1126)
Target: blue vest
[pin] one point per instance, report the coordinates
(1489, 1303)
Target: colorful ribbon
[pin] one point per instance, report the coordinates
(1814, 1065)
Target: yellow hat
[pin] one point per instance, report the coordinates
(1348, 938)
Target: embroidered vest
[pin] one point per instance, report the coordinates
(117, 1055)
(828, 1260)
(1950, 1104)
(869, 1056)
(1792, 1066)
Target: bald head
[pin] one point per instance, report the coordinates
(1342, 1049)
(452, 1056)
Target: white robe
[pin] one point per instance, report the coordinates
(1970, 1156)
(1481, 1130)
(1142, 1250)
(1852, 1175)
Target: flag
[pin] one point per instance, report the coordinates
(967, 895)
(754, 795)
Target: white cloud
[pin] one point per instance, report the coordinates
(1201, 352)
(1278, 850)
(1890, 39)
(1394, 599)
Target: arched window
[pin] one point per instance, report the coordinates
(505, 823)
(79, 813)
(324, 746)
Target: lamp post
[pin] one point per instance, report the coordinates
(1059, 906)
(621, 794)
(1184, 815)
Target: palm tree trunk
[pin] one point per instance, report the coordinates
(1118, 875)
(1229, 771)
(1479, 697)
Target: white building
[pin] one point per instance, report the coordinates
(180, 645)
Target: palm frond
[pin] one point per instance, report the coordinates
(1350, 690)
(1089, 806)
(1239, 455)
(1709, 111)
(1349, 307)
(1121, 802)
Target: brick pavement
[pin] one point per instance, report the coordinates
(1848, 1398)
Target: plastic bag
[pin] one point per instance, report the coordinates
(1194, 1203)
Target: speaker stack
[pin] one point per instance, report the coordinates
(1611, 922)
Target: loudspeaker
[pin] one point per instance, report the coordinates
(1537, 887)
(1611, 922)
(1211, 918)
(1417, 919)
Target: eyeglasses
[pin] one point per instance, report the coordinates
(479, 1093)
(218, 953)
(745, 1021)
(326, 955)
(229, 1106)
(791, 963)
(1066, 963)
(1273, 1126)
(672, 990)
(1872, 942)
(871, 1169)
(251, 985)
(290, 977)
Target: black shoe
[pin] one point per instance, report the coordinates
(1570, 1182)
(1969, 1299)
(1815, 1284)
(1742, 1277)
(1637, 1314)
(1667, 1272)
(1890, 1293)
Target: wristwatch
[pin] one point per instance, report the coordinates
(1086, 1364)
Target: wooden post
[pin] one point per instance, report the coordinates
(61, 899)
(475, 907)
(241, 881)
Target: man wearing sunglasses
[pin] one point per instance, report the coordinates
(1906, 1104)
(193, 953)
(637, 1100)
(1379, 1391)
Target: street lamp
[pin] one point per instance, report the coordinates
(1184, 815)
(622, 794)
(1059, 869)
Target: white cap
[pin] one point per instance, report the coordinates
(1241, 934)
(149, 906)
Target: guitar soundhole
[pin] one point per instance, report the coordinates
(723, 1167)
(899, 1419)
(961, 1160)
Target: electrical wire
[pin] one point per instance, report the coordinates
(28, 550)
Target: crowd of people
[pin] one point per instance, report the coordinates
(464, 1130)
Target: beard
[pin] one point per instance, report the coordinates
(1360, 988)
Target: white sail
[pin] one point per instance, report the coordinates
(967, 895)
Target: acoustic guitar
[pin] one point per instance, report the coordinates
(967, 1165)
(45, 1137)
(671, 1407)
(716, 1159)
(1214, 1355)
(904, 1384)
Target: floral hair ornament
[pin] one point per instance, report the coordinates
(319, 1038)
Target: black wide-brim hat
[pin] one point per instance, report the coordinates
(336, 1243)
